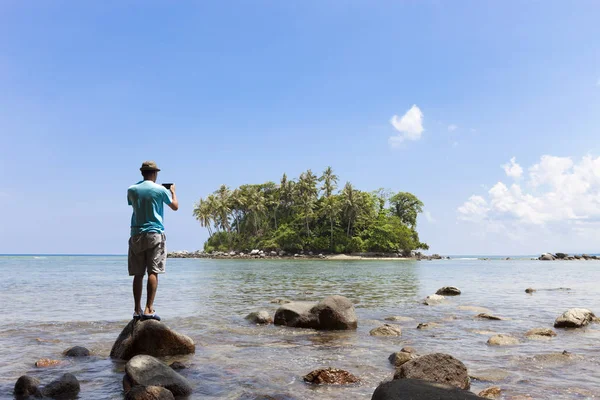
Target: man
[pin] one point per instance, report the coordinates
(147, 251)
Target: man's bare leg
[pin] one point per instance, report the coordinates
(138, 286)
(151, 289)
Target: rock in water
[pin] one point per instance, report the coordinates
(152, 338)
(400, 357)
(502, 340)
(448, 291)
(295, 314)
(415, 389)
(574, 318)
(547, 257)
(66, 387)
(433, 300)
(540, 333)
(335, 313)
(331, 376)
(491, 393)
(332, 313)
(530, 290)
(149, 393)
(77, 351)
(27, 386)
(386, 330)
(259, 317)
(436, 367)
(488, 316)
(149, 371)
(46, 362)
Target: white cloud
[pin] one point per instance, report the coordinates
(452, 127)
(409, 126)
(558, 197)
(513, 169)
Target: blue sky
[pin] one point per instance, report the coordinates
(240, 92)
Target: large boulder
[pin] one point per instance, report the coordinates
(547, 257)
(65, 387)
(27, 386)
(152, 338)
(415, 389)
(448, 291)
(149, 393)
(436, 367)
(332, 313)
(148, 371)
(574, 318)
(330, 376)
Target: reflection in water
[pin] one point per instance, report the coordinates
(208, 300)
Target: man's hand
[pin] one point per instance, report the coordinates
(174, 203)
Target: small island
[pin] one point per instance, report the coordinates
(310, 216)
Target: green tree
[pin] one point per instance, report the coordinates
(406, 206)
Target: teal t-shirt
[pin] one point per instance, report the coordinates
(147, 199)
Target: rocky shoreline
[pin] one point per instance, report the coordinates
(262, 254)
(280, 255)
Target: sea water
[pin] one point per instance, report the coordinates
(51, 303)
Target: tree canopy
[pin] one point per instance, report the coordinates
(312, 214)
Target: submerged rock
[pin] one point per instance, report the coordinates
(152, 338)
(530, 290)
(77, 351)
(176, 365)
(544, 333)
(502, 340)
(27, 386)
(148, 371)
(415, 389)
(490, 375)
(330, 376)
(575, 318)
(493, 392)
(46, 362)
(149, 393)
(66, 387)
(386, 330)
(476, 309)
(437, 367)
(489, 316)
(398, 318)
(427, 325)
(259, 317)
(434, 299)
(332, 313)
(280, 301)
(448, 291)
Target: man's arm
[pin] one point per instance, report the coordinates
(174, 203)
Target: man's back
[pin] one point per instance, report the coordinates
(147, 198)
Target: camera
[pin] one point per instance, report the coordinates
(167, 185)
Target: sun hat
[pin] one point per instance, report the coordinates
(149, 166)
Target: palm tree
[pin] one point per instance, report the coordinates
(307, 193)
(350, 206)
(330, 208)
(223, 207)
(202, 214)
(256, 206)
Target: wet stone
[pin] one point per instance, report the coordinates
(330, 376)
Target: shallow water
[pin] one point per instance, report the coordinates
(50, 304)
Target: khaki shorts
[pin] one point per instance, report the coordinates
(147, 253)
